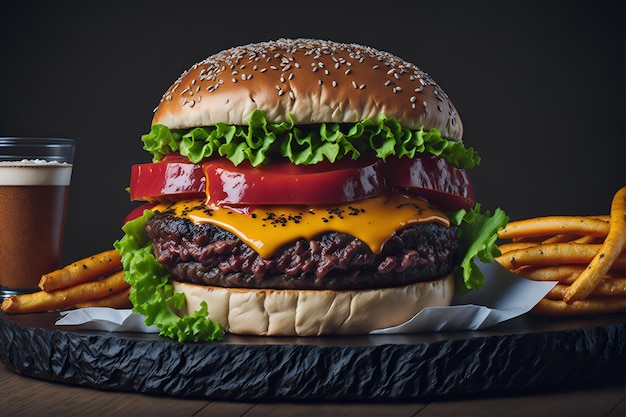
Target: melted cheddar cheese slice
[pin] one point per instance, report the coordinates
(267, 228)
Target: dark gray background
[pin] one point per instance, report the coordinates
(539, 86)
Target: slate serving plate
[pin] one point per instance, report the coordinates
(523, 354)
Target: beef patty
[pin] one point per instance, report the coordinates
(208, 255)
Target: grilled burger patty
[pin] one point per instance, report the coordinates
(208, 255)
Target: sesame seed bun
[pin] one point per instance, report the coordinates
(313, 80)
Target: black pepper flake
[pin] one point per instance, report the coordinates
(416, 206)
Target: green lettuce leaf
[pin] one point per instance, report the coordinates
(153, 296)
(478, 233)
(261, 141)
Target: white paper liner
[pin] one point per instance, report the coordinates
(107, 319)
(504, 296)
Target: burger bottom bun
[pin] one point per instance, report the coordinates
(268, 312)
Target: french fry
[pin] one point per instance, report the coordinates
(565, 274)
(555, 225)
(93, 267)
(115, 300)
(550, 253)
(588, 239)
(561, 238)
(65, 298)
(599, 305)
(606, 256)
(608, 287)
(508, 247)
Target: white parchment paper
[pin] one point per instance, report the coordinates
(504, 296)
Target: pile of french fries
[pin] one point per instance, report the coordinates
(96, 281)
(585, 254)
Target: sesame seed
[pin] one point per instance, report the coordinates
(354, 85)
(348, 71)
(334, 83)
(292, 96)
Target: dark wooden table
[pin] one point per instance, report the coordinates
(25, 396)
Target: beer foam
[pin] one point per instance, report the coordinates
(35, 172)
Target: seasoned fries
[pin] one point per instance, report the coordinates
(549, 254)
(584, 254)
(115, 300)
(87, 269)
(90, 282)
(604, 305)
(606, 256)
(65, 298)
(555, 225)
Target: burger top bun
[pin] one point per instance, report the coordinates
(313, 80)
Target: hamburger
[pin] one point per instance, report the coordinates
(302, 187)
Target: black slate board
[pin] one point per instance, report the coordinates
(524, 354)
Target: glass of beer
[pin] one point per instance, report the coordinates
(35, 178)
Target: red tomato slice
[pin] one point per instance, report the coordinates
(433, 179)
(173, 178)
(286, 183)
(176, 178)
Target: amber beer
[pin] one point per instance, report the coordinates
(33, 200)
